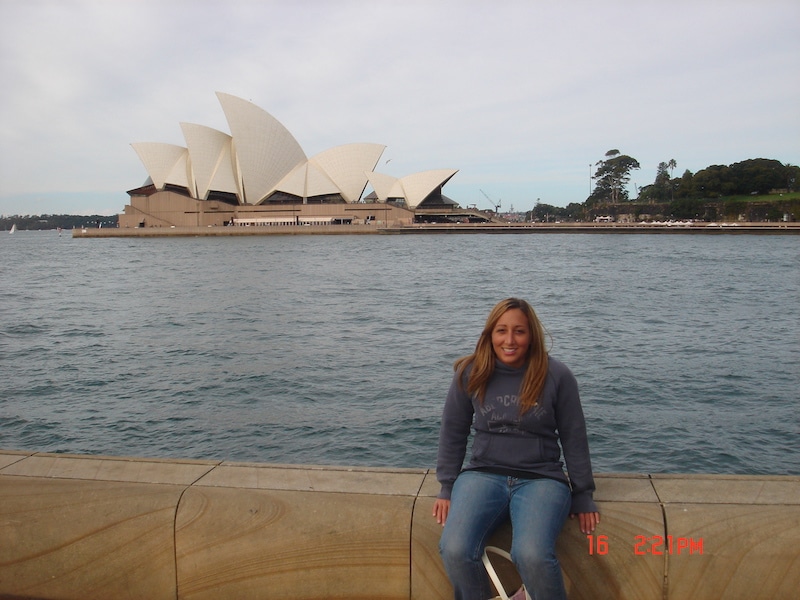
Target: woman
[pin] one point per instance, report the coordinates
(521, 403)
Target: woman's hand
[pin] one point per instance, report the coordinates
(440, 510)
(588, 521)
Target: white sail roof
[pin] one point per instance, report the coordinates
(385, 186)
(306, 181)
(260, 157)
(265, 149)
(161, 160)
(211, 159)
(346, 166)
(418, 186)
(413, 188)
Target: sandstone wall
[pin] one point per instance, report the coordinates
(90, 527)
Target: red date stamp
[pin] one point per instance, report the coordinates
(655, 545)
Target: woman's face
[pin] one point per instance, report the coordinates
(511, 338)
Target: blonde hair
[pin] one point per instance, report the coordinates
(483, 359)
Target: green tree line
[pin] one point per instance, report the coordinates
(758, 189)
(757, 177)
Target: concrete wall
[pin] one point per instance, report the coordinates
(110, 527)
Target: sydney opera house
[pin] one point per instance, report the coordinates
(258, 175)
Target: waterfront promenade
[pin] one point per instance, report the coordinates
(460, 228)
(76, 526)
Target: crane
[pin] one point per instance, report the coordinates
(496, 206)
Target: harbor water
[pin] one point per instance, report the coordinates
(339, 349)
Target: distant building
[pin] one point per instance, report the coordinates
(259, 175)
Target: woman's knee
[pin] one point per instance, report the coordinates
(534, 556)
(455, 548)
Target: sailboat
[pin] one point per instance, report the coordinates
(13, 228)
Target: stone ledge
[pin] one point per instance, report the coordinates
(105, 468)
(99, 527)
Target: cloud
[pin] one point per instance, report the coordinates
(519, 96)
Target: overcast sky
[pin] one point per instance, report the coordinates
(522, 97)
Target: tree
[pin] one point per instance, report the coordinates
(757, 175)
(546, 213)
(661, 187)
(671, 164)
(792, 176)
(686, 185)
(574, 211)
(713, 181)
(612, 176)
(753, 176)
(543, 212)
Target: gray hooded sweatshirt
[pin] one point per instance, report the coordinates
(518, 445)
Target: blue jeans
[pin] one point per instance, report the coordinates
(480, 503)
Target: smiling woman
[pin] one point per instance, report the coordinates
(521, 404)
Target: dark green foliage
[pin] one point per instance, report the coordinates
(546, 213)
(758, 189)
(755, 176)
(612, 177)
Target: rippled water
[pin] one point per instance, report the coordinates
(339, 349)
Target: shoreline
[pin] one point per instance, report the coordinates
(459, 228)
